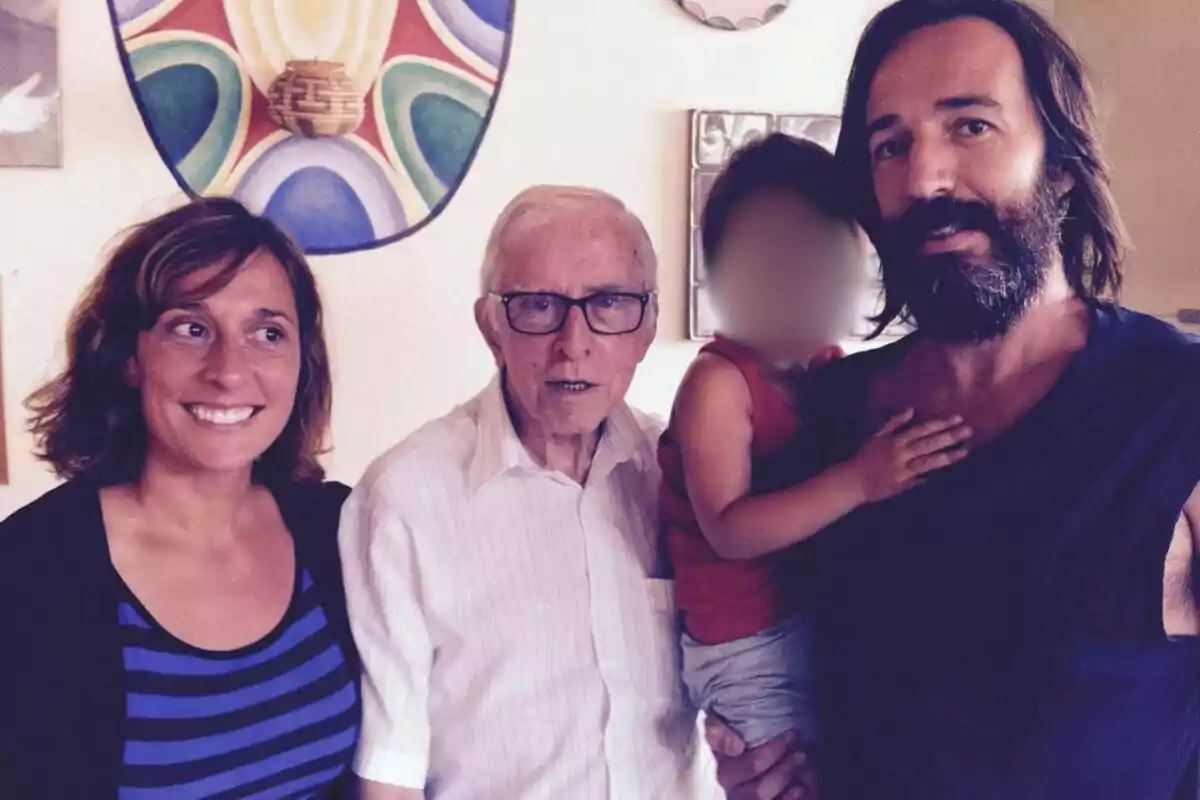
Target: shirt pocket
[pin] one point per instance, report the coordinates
(661, 592)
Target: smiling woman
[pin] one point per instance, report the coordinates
(176, 303)
(175, 610)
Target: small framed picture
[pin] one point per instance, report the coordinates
(823, 129)
(30, 87)
(699, 270)
(716, 134)
(702, 314)
(702, 183)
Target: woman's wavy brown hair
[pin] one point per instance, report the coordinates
(88, 422)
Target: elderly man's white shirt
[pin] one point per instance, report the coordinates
(517, 638)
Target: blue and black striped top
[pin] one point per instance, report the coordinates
(274, 719)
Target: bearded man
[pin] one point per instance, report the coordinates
(1024, 624)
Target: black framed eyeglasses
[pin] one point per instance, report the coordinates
(544, 313)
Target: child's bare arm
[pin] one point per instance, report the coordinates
(713, 418)
(714, 431)
(712, 415)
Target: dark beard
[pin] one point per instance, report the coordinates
(956, 297)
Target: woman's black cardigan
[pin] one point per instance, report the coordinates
(62, 697)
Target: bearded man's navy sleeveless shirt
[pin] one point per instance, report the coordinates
(998, 631)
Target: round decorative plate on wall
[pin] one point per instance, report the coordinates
(735, 15)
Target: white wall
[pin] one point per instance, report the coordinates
(595, 94)
(1145, 57)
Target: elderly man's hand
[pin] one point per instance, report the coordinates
(777, 770)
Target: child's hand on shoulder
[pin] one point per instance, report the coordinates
(900, 454)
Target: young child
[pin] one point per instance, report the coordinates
(785, 260)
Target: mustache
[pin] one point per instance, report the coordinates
(924, 218)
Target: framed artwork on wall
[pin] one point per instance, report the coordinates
(715, 136)
(702, 317)
(30, 126)
(820, 128)
(698, 272)
(349, 123)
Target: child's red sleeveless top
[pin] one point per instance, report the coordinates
(722, 600)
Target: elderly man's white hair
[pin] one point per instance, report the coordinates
(538, 206)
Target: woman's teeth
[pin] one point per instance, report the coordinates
(572, 386)
(221, 416)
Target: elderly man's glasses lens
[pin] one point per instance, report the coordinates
(543, 313)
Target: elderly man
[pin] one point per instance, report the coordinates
(1024, 624)
(504, 575)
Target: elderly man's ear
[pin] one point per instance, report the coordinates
(485, 321)
(649, 326)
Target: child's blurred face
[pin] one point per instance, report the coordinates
(787, 277)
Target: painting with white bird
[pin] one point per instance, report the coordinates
(30, 130)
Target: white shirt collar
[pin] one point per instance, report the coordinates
(498, 449)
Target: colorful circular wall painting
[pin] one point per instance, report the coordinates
(735, 15)
(350, 123)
